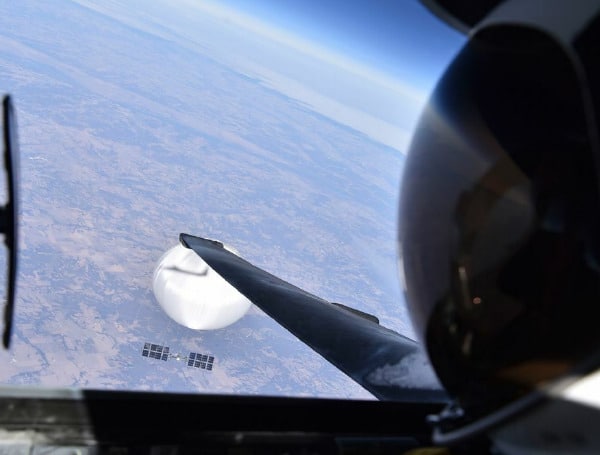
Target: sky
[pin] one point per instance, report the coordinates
(377, 65)
(400, 38)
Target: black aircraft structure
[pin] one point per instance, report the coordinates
(511, 88)
(353, 341)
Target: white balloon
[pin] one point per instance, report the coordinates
(193, 294)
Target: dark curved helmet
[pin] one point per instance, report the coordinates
(499, 220)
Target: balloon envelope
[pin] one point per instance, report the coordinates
(193, 294)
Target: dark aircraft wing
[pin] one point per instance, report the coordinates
(380, 360)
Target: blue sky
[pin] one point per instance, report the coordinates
(368, 65)
(398, 37)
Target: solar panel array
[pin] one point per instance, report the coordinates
(194, 359)
(202, 361)
(156, 351)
